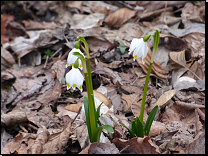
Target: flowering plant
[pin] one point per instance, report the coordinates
(139, 48)
(75, 79)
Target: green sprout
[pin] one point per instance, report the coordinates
(122, 47)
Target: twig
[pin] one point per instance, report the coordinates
(124, 148)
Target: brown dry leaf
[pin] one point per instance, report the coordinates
(189, 106)
(196, 42)
(201, 114)
(58, 69)
(164, 98)
(52, 94)
(156, 128)
(34, 25)
(118, 132)
(137, 145)
(102, 98)
(96, 44)
(128, 100)
(198, 69)
(74, 4)
(198, 124)
(157, 71)
(73, 107)
(40, 141)
(100, 148)
(13, 117)
(7, 56)
(178, 59)
(117, 18)
(136, 110)
(21, 144)
(197, 145)
(56, 142)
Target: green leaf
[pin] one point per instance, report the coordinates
(150, 120)
(122, 49)
(97, 132)
(131, 134)
(63, 79)
(97, 115)
(87, 115)
(122, 44)
(139, 131)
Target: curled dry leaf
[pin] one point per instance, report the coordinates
(157, 71)
(156, 128)
(164, 98)
(197, 145)
(40, 141)
(73, 107)
(189, 106)
(137, 145)
(198, 123)
(117, 18)
(57, 142)
(201, 114)
(12, 118)
(100, 148)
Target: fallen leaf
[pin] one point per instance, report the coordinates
(137, 145)
(197, 145)
(73, 107)
(34, 25)
(100, 148)
(13, 117)
(117, 18)
(156, 128)
(40, 141)
(198, 70)
(198, 124)
(163, 99)
(189, 106)
(201, 114)
(96, 44)
(157, 70)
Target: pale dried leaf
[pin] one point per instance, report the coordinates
(189, 106)
(13, 117)
(156, 128)
(73, 107)
(117, 18)
(40, 141)
(197, 145)
(198, 123)
(102, 148)
(157, 71)
(164, 98)
(137, 145)
(56, 144)
(201, 114)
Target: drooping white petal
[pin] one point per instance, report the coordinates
(72, 58)
(139, 48)
(74, 79)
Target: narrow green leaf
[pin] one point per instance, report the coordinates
(139, 131)
(97, 115)
(131, 133)
(96, 134)
(150, 120)
(85, 101)
(63, 79)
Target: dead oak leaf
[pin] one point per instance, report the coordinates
(120, 16)
(157, 71)
(137, 145)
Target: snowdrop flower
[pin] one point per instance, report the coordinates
(139, 48)
(74, 79)
(72, 58)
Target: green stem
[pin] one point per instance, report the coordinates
(91, 109)
(144, 93)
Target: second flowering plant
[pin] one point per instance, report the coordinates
(75, 79)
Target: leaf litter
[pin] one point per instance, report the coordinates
(43, 117)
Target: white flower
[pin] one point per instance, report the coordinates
(72, 58)
(74, 79)
(139, 48)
